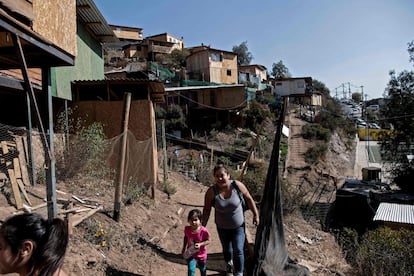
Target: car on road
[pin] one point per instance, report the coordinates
(360, 123)
(374, 126)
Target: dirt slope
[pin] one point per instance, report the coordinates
(148, 239)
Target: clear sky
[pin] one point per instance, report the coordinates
(355, 42)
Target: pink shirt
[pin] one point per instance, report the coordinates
(200, 236)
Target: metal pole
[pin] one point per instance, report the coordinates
(67, 127)
(164, 151)
(30, 141)
(51, 161)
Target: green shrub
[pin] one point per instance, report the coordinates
(283, 152)
(254, 179)
(134, 190)
(93, 145)
(169, 189)
(316, 152)
(315, 132)
(87, 155)
(348, 240)
(173, 116)
(384, 251)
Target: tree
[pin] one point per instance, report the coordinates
(411, 50)
(244, 57)
(356, 97)
(280, 71)
(173, 116)
(399, 113)
(178, 57)
(175, 60)
(320, 87)
(255, 115)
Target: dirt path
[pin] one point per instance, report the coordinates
(190, 197)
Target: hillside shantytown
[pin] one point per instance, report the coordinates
(116, 132)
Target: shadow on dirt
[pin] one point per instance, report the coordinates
(110, 271)
(215, 261)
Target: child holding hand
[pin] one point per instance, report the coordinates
(196, 237)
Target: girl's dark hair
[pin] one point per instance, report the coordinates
(195, 212)
(220, 165)
(50, 240)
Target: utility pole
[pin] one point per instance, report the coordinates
(343, 91)
(362, 96)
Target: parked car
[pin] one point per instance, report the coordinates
(374, 126)
(373, 108)
(359, 121)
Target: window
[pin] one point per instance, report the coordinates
(215, 57)
(228, 72)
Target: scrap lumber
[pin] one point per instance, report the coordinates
(15, 189)
(89, 214)
(22, 160)
(75, 210)
(5, 150)
(41, 205)
(69, 217)
(29, 209)
(78, 199)
(4, 147)
(16, 167)
(21, 186)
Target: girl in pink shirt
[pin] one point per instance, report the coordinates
(196, 237)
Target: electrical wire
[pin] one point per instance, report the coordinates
(209, 106)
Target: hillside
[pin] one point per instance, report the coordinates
(148, 238)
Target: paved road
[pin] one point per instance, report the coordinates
(368, 155)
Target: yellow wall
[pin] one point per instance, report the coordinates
(366, 134)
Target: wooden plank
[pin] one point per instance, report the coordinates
(69, 218)
(22, 160)
(16, 167)
(25, 147)
(15, 188)
(21, 186)
(89, 214)
(11, 144)
(4, 147)
(5, 150)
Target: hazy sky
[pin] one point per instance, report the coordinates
(334, 41)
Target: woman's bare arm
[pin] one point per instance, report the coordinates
(208, 199)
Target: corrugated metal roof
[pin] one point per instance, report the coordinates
(182, 88)
(118, 87)
(392, 212)
(90, 15)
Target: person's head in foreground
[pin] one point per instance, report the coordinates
(32, 246)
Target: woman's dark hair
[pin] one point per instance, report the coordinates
(220, 165)
(50, 240)
(195, 212)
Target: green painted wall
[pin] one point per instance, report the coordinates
(89, 65)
